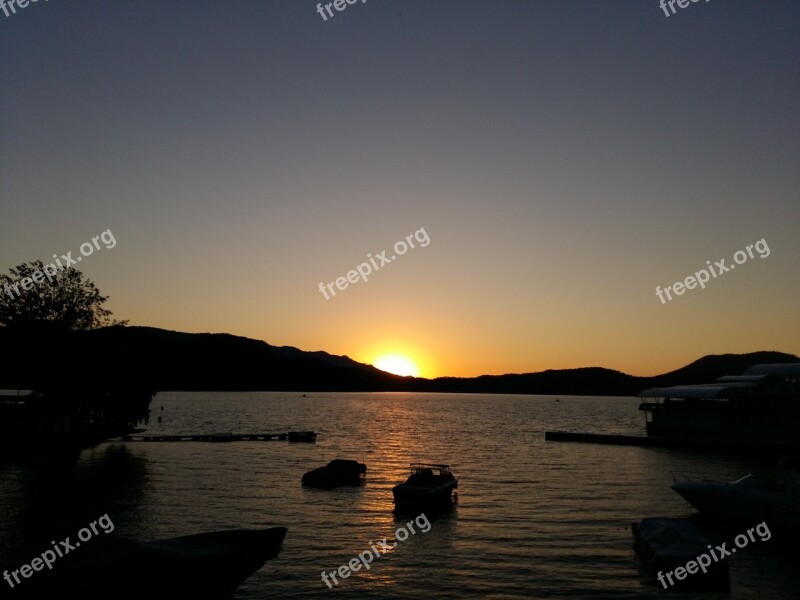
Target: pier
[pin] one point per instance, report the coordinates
(732, 444)
(602, 438)
(292, 436)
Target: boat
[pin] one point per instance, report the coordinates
(430, 485)
(203, 566)
(759, 409)
(302, 436)
(756, 497)
(664, 544)
(336, 473)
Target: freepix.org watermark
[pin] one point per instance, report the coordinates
(50, 270)
(14, 5)
(703, 561)
(365, 269)
(703, 276)
(365, 558)
(339, 5)
(671, 3)
(48, 557)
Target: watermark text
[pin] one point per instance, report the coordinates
(64, 547)
(703, 276)
(366, 268)
(703, 561)
(365, 558)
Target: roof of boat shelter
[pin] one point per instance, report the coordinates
(779, 369)
(709, 390)
(740, 378)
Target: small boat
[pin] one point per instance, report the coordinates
(203, 566)
(302, 436)
(335, 473)
(430, 485)
(755, 497)
(664, 544)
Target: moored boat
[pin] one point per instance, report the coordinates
(665, 544)
(336, 473)
(755, 497)
(430, 485)
(203, 566)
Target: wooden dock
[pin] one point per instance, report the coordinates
(292, 436)
(601, 438)
(730, 445)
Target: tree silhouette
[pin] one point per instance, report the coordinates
(65, 296)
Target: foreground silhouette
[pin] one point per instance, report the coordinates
(85, 389)
(204, 566)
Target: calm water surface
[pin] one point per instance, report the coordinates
(535, 519)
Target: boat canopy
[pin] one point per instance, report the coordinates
(711, 390)
(419, 466)
(779, 369)
(740, 378)
(668, 537)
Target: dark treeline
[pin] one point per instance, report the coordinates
(167, 360)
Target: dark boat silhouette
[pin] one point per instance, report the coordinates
(429, 486)
(203, 566)
(664, 544)
(302, 436)
(336, 473)
(752, 498)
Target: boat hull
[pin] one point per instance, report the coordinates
(411, 496)
(664, 544)
(336, 473)
(202, 566)
(726, 500)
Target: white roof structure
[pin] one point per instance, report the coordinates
(706, 390)
(729, 386)
(779, 369)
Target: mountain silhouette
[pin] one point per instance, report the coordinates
(176, 361)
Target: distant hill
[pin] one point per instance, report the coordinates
(202, 361)
(587, 381)
(708, 368)
(185, 361)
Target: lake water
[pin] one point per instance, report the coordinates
(535, 519)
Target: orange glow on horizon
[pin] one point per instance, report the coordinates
(397, 363)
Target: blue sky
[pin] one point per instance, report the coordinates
(565, 158)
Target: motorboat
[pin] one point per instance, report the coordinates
(303, 436)
(202, 566)
(664, 544)
(336, 473)
(430, 485)
(755, 497)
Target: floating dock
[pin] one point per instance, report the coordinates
(292, 436)
(734, 444)
(601, 438)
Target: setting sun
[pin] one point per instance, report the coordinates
(399, 364)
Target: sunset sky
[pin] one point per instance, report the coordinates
(563, 158)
